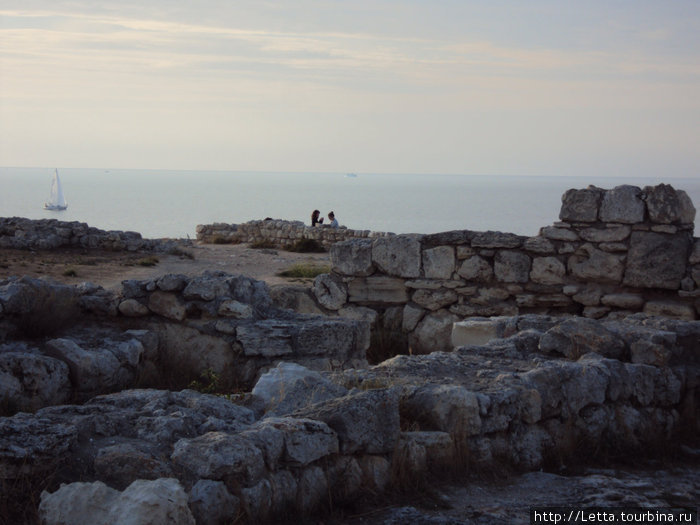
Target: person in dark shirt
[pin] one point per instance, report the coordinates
(314, 218)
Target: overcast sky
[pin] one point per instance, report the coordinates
(493, 87)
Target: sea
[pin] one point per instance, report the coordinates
(171, 203)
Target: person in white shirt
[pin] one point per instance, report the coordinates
(331, 217)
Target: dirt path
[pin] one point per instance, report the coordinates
(109, 269)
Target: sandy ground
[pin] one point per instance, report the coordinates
(109, 269)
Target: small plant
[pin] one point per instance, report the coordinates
(265, 243)
(307, 246)
(220, 239)
(148, 261)
(70, 272)
(208, 382)
(178, 250)
(304, 271)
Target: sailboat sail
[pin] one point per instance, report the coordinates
(56, 199)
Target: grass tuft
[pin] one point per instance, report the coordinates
(148, 261)
(306, 246)
(70, 272)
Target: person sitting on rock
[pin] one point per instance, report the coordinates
(314, 218)
(334, 223)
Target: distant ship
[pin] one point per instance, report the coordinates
(351, 175)
(56, 200)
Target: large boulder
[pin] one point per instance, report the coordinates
(159, 502)
(577, 336)
(398, 255)
(512, 267)
(591, 264)
(439, 262)
(622, 204)
(29, 382)
(433, 333)
(352, 257)
(580, 205)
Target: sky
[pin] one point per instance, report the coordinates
(536, 87)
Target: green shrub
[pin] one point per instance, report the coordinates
(263, 244)
(307, 246)
(70, 272)
(148, 261)
(304, 271)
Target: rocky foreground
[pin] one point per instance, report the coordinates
(311, 427)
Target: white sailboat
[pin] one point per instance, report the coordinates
(56, 200)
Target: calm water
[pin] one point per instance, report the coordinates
(160, 203)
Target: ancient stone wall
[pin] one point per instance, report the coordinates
(278, 232)
(47, 234)
(613, 252)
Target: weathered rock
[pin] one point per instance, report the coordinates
(512, 267)
(398, 255)
(235, 309)
(217, 455)
(352, 257)
(159, 502)
(575, 337)
(379, 289)
(330, 291)
(192, 349)
(433, 333)
(547, 270)
(434, 299)
(538, 244)
(133, 308)
(649, 353)
(289, 386)
(663, 204)
(559, 234)
(477, 331)
(366, 422)
(580, 205)
(305, 440)
(590, 264)
(212, 504)
(656, 260)
(29, 382)
(294, 297)
(491, 239)
(687, 210)
(312, 489)
(628, 301)
(207, 287)
(476, 269)
(172, 282)
(447, 408)
(376, 472)
(622, 204)
(268, 338)
(412, 315)
(167, 304)
(439, 262)
(419, 451)
(92, 371)
(122, 463)
(613, 233)
(670, 309)
(589, 296)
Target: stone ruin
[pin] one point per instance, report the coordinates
(98, 418)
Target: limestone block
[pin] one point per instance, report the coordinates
(235, 309)
(330, 291)
(439, 449)
(613, 233)
(670, 309)
(434, 299)
(412, 315)
(589, 296)
(294, 297)
(622, 204)
(629, 301)
(398, 255)
(695, 254)
(305, 440)
(447, 408)
(257, 501)
(158, 502)
(576, 336)
(687, 211)
(90, 370)
(284, 492)
(344, 478)
(268, 338)
(559, 234)
(663, 204)
(29, 382)
(439, 262)
(352, 257)
(124, 462)
(476, 331)
(289, 386)
(491, 239)
(657, 260)
(433, 333)
(376, 472)
(312, 489)
(366, 422)
(547, 270)
(211, 503)
(664, 228)
(133, 308)
(167, 304)
(218, 455)
(207, 287)
(613, 246)
(695, 273)
(648, 353)
(512, 267)
(464, 252)
(172, 282)
(590, 264)
(476, 268)
(335, 338)
(580, 205)
(490, 295)
(538, 244)
(377, 289)
(359, 313)
(189, 347)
